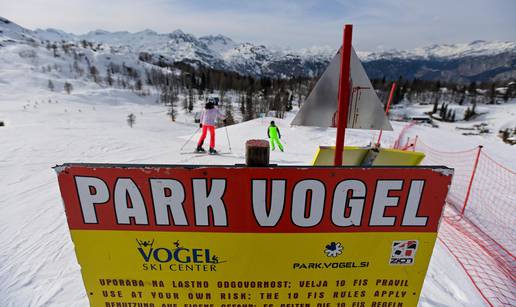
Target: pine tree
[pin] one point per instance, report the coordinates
(109, 77)
(185, 103)
(506, 95)
(437, 92)
(68, 87)
(190, 100)
(139, 85)
(442, 112)
(203, 84)
(467, 114)
(289, 105)
(77, 68)
(492, 94)
(51, 85)
(275, 106)
(505, 134)
(230, 120)
(434, 110)
(169, 97)
(131, 118)
(472, 90)
(222, 94)
(54, 48)
(94, 73)
(462, 96)
(249, 108)
(242, 105)
(449, 115)
(398, 95)
(172, 113)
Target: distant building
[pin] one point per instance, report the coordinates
(421, 119)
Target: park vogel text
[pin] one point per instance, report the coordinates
(301, 203)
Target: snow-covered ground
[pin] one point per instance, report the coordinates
(37, 260)
(449, 135)
(43, 128)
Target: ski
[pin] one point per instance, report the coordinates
(195, 153)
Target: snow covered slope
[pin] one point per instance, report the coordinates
(11, 32)
(37, 261)
(44, 128)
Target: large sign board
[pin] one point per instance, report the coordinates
(237, 236)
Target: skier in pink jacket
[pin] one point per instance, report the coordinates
(209, 118)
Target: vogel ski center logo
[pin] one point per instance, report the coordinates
(176, 257)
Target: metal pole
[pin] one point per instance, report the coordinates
(344, 94)
(191, 136)
(227, 135)
(393, 87)
(471, 180)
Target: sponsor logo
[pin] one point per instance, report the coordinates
(329, 265)
(333, 249)
(176, 257)
(403, 252)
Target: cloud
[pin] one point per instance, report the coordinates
(398, 24)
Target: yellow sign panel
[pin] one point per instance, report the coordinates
(253, 269)
(354, 155)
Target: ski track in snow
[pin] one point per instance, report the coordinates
(37, 260)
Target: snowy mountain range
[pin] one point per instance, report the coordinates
(444, 51)
(476, 61)
(215, 51)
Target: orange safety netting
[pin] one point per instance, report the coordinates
(479, 224)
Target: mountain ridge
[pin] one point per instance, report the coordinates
(439, 61)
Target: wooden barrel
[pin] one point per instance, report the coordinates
(257, 153)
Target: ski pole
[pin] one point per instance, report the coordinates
(191, 136)
(227, 135)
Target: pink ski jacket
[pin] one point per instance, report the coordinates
(209, 116)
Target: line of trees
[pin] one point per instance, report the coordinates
(429, 91)
(255, 96)
(182, 85)
(443, 94)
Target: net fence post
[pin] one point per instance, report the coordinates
(471, 180)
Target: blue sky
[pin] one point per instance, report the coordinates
(401, 24)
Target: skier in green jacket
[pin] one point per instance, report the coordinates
(274, 136)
